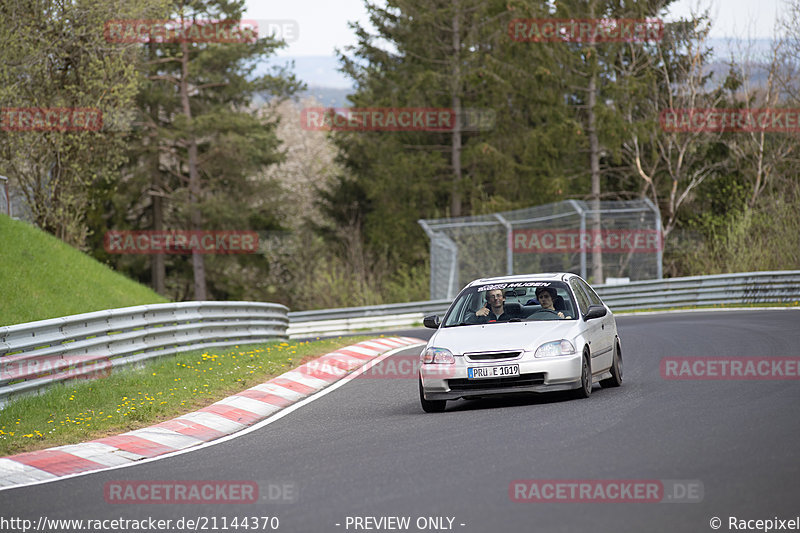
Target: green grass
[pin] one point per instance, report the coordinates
(159, 390)
(42, 277)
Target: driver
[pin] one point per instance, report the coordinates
(546, 296)
(493, 311)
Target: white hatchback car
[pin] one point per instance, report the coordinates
(520, 334)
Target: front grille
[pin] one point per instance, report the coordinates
(525, 380)
(489, 356)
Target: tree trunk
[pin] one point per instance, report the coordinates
(594, 162)
(455, 193)
(198, 265)
(157, 268)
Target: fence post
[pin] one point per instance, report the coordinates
(509, 244)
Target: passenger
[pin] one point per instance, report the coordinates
(546, 297)
(493, 311)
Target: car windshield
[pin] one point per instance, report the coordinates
(511, 302)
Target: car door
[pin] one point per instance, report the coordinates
(607, 328)
(599, 331)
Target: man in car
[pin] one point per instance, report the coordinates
(493, 311)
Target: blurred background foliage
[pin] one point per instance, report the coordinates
(197, 140)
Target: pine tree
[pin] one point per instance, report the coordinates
(201, 141)
(453, 54)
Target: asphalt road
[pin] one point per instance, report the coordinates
(367, 450)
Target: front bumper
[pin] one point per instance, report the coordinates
(548, 374)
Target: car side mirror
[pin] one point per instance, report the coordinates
(431, 321)
(595, 311)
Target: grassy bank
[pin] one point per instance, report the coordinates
(159, 390)
(42, 277)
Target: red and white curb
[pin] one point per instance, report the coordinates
(222, 418)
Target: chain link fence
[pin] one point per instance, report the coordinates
(12, 201)
(5, 201)
(600, 241)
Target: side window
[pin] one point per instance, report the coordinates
(457, 313)
(580, 294)
(464, 306)
(593, 297)
(568, 306)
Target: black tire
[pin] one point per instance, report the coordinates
(585, 390)
(430, 406)
(616, 370)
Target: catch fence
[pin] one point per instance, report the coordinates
(600, 241)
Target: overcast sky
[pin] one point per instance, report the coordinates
(316, 27)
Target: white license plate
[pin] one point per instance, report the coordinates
(500, 371)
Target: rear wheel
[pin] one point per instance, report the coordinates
(616, 370)
(585, 390)
(430, 406)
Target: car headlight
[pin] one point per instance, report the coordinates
(438, 355)
(550, 349)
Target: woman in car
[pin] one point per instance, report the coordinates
(546, 297)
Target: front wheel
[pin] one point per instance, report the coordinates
(430, 406)
(585, 390)
(616, 370)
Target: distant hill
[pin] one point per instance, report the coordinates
(325, 97)
(316, 71)
(42, 277)
(320, 74)
(329, 97)
(758, 50)
(330, 87)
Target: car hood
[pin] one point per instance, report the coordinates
(503, 336)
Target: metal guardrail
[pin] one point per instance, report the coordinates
(351, 319)
(743, 288)
(38, 354)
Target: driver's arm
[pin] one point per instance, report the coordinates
(474, 318)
